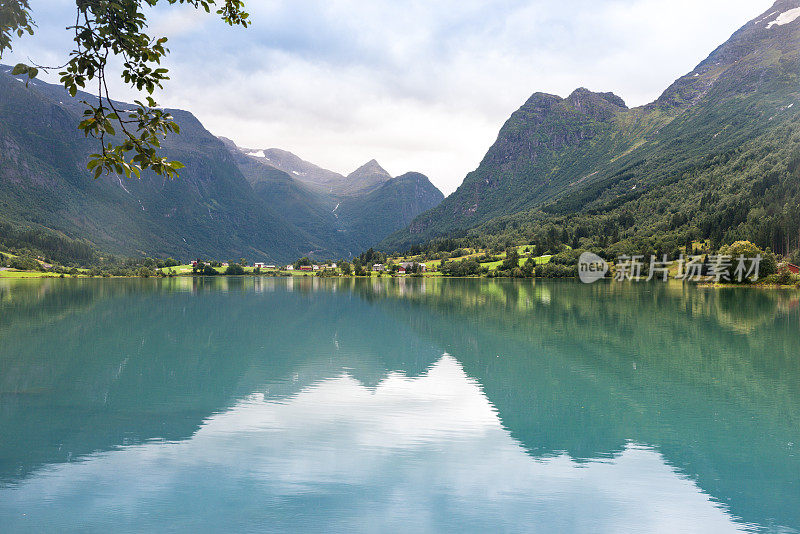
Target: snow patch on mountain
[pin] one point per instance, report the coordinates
(785, 18)
(765, 18)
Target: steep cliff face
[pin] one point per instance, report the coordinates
(541, 147)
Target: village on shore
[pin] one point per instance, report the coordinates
(514, 262)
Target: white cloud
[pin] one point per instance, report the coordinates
(418, 85)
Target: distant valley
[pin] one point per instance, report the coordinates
(344, 213)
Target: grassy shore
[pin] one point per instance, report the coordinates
(12, 274)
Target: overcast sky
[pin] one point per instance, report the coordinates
(418, 85)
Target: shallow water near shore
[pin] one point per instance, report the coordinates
(397, 405)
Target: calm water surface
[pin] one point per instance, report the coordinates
(308, 405)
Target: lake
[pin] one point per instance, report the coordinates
(397, 405)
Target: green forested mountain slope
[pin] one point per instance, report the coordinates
(208, 211)
(390, 206)
(716, 156)
(225, 204)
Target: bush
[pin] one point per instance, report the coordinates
(512, 259)
(784, 277)
(555, 270)
(768, 266)
(302, 262)
(468, 267)
(567, 257)
(487, 258)
(234, 269)
(144, 272)
(25, 263)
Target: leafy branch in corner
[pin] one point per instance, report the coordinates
(129, 139)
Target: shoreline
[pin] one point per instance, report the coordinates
(10, 274)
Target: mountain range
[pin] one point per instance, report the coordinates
(227, 202)
(349, 211)
(716, 156)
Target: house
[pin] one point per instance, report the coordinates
(332, 266)
(269, 266)
(259, 265)
(401, 270)
(315, 267)
(306, 268)
(290, 267)
(408, 265)
(378, 267)
(794, 269)
(225, 264)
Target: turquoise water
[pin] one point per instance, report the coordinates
(309, 405)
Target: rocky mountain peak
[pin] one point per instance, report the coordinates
(599, 106)
(370, 169)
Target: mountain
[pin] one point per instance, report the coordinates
(303, 171)
(366, 178)
(227, 203)
(346, 215)
(715, 156)
(389, 206)
(362, 180)
(208, 211)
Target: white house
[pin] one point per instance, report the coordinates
(290, 267)
(259, 265)
(378, 267)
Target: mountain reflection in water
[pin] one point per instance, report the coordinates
(418, 405)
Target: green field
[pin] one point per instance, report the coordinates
(26, 274)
